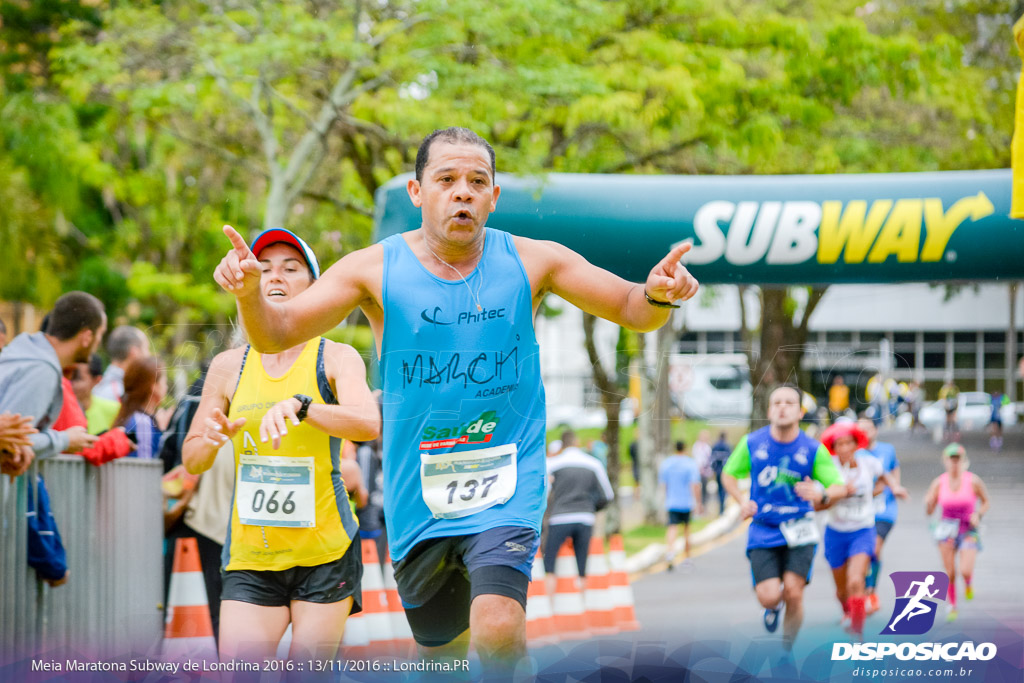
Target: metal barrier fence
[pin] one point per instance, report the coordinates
(111, 522)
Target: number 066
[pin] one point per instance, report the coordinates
(272, 504)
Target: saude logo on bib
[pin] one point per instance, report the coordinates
(918, 595)
(479, 430)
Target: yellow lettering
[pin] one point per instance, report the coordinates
(901, 235)
(940, 226)
(849, 232)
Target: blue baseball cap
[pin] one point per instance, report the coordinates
(275, 235)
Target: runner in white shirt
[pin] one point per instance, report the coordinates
(850, 529)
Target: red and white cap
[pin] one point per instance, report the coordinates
(843, 429)
(275, 235)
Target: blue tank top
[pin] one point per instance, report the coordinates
(774, 468)
(457, 380)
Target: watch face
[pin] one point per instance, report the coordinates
(304, 408)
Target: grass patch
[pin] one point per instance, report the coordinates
(686, 430)
(638, 538)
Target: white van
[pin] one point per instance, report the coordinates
(712, 386)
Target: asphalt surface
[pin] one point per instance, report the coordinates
(706, 620)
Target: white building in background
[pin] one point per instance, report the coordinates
(855, 331)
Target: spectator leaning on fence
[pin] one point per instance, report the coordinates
(30, 376)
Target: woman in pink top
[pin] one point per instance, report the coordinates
(956, 493)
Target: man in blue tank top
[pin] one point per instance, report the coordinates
(451, 305)
(783, 465)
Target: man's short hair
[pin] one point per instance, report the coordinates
(789, 385)
(123, 339)
(454, 136)
(74, 312)
(680, 446)
(568, 438)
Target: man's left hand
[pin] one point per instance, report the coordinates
(670, 281)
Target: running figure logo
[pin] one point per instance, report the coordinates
(914, 612)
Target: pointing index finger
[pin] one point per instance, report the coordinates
(240, 247)
(678, 251)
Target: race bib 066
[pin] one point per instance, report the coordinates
(465, 483)
(275, 491)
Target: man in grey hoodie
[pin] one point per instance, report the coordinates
(31, 368)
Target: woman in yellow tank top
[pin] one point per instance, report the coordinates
(290, 554)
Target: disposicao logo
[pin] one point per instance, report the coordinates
(914, 613)
(918, 595)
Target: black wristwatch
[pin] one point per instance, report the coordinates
(658, 304)
(304, 408)
(825, 498)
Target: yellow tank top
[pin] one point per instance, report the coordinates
(290, 507)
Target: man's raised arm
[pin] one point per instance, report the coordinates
(273, 327)
(641, 307)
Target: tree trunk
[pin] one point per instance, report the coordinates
(666, 337)
(611, 396)
(18, 309)
(276, 213)
(782, 345)
(655, 426)
(647, 487)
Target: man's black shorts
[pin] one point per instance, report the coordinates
(678, 516)
(325, 583)
(440, 577)
(882, 528)
(772, 563)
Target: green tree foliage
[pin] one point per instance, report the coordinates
(132, 131)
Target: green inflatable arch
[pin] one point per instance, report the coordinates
(899, 227)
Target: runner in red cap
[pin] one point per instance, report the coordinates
(850, 528)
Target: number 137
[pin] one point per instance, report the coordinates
(471, 486)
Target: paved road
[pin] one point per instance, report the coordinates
(707, 620)
(714, 600)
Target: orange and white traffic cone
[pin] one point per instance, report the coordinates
(567, 603)
(188, 631)
(621, 591)
(371, 629)
(597, 595)
(402, 643)
(540, 623)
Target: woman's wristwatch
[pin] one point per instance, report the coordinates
(303, 410)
